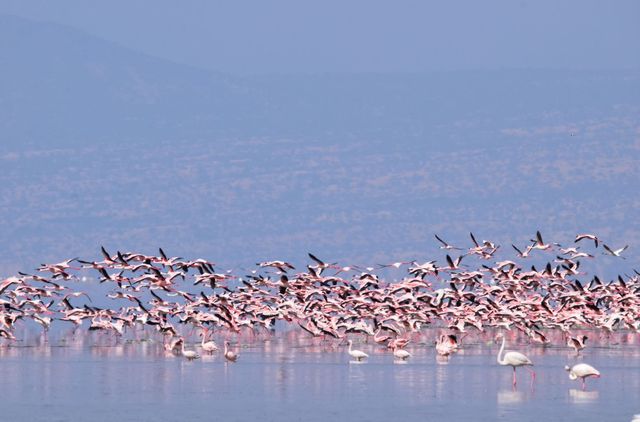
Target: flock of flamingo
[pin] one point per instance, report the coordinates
(163, 294)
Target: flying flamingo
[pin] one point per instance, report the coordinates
(321, 265)
(587, 236)
(582, 371)
(395, 265)
(454, 265)
(446, 345)
(615, 252)
(282, 266)
(445, 245)
(539, 244)
(356, 354)
(521, 254)
(514, 359)
(578, 343)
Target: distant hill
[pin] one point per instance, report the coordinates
(62, 86)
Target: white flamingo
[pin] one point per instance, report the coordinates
(582, 371)
(514, 359)
(229, 354)
(356, 354)
(189, 354)
(445, 245)
(208, 346)
(401, 354)
(615, 252)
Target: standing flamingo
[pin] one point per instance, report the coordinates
(401, 353)
(208, 346)
(356, 354)
(189, 354)
(582, 371)
(514, 359)
(229, 354)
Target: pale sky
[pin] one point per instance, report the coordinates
(360, 36)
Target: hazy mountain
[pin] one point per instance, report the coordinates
(103, 145)
(63, 86)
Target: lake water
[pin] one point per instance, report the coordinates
(288, 378)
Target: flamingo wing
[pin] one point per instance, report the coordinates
(584, 370)
(516, 359)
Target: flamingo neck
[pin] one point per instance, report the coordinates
(500, 361)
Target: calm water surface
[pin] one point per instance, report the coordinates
(284, 380)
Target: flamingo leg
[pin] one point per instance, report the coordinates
(533, 374)
(514, 376)
(583, 384)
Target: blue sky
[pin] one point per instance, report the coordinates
(361, 36)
